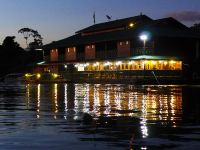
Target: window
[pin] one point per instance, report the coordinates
(90, 52)
(70, 53)
(54, 55)
(123, 48)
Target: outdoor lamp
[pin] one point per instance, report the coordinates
(144, 38)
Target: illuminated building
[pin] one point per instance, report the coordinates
(130, 48)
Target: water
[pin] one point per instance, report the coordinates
(99, 116)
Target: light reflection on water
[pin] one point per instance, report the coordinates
(148, 104)
(123, 115)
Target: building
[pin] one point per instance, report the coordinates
(133, 49)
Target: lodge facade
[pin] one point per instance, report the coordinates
(114, 50)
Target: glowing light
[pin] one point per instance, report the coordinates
(131, 24)
(55, 98)
(130, 62)
(38, 100)
(86, 102)
(76, 65)
(55, 75)
(65, 101)
(28, 94)
(165, 63)
(28, 75)
(38, 76)
(153, 62)
(143, 37)
(96, 64)
(40, 63)
(118, 63)
(172, 62)
(107, 64)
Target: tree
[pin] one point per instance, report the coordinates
(9, 42)
(37, 40)
(196, 27)
(10, 47)
(27, 33)
(11, 55)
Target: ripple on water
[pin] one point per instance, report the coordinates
(42, 116)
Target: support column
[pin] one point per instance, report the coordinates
(197, 50)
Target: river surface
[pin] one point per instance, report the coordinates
(99, 117)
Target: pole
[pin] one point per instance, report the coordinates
(43, 54)
(144, 46)
(155, 78)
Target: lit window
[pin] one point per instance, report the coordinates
(88, 46)
(54, 50)
(120, 43)
(68, 50)
(74, 49)
(92, 46)
(127, 42)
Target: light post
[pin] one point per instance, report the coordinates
(144, 38)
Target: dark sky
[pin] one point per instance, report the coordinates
(57, 19)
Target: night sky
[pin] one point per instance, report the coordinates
(57, 19)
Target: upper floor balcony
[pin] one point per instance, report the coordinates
(143, 51)
(99, 54)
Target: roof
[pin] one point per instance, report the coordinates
(169, 22)
(116, 23)
(136, 58)
(166, 27)
(152, 57)
(121, 35)
(78, 39)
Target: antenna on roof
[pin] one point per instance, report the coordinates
(94, 18)
(141, 14)
(108, 17)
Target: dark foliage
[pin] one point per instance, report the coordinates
(13, 58)
(27, 32)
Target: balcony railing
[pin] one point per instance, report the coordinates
(143, 51)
